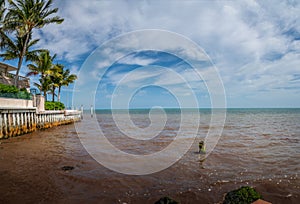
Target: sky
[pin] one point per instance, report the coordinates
(252, 46)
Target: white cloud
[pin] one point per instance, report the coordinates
(237, 35)
(134, 60)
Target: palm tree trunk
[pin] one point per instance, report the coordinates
(58, 94)
(21, 60)
(53, 94)
(45, 95)
(16, 83)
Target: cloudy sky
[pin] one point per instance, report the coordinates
(253, 45)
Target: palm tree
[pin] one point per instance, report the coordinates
(65, 79)
(44, 85)
(55, 78)
(26, 15)
(43, 66)
(14, 48)
(2, 10)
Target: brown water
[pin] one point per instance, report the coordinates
(259, 148)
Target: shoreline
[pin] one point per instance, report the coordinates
(31, 173)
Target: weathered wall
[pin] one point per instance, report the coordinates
(37, 101)
(15, 103)
(40, 103)
(18, 121)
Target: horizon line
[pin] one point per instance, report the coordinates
(194, 108)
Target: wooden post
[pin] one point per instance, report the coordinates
(92, 111)
(81, 114)
(18, 125)
(5, 122)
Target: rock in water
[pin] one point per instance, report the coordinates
(201, 147)
(243, 195)
(67, 168)
(166, 200)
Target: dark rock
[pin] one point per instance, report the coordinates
(166, 200)
(243, 195)
(67, 168)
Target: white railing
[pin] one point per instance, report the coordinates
(18, 121)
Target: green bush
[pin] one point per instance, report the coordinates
(24, 95)
(49, 105)
(8, 89)
(243, 195)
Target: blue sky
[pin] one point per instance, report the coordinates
(255, 46)
(149, 82)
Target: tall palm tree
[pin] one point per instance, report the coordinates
(2, 11)
(26, 15)
(65, 79)
(43, 66)
(14, 48)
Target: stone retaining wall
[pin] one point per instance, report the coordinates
(12, 103)
(18, 121)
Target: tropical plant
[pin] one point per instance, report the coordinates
(2, 11)
(10, 91)
(43, 66)
(44, 86)
(55, 79)
(14, 48)
(25, 15)
(65, 79)
(49, 105)
(52, 91)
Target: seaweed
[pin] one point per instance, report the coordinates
(243, 195)
(166, 200)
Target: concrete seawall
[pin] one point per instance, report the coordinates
(13, 102)
(18, 121)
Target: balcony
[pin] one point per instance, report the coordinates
(9, 78)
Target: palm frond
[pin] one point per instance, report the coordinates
(32, 73)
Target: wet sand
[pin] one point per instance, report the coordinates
(30, 172)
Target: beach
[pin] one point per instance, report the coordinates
(31, 166)
(188, 101)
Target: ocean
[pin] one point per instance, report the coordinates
(257, 147)
(149, 154)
